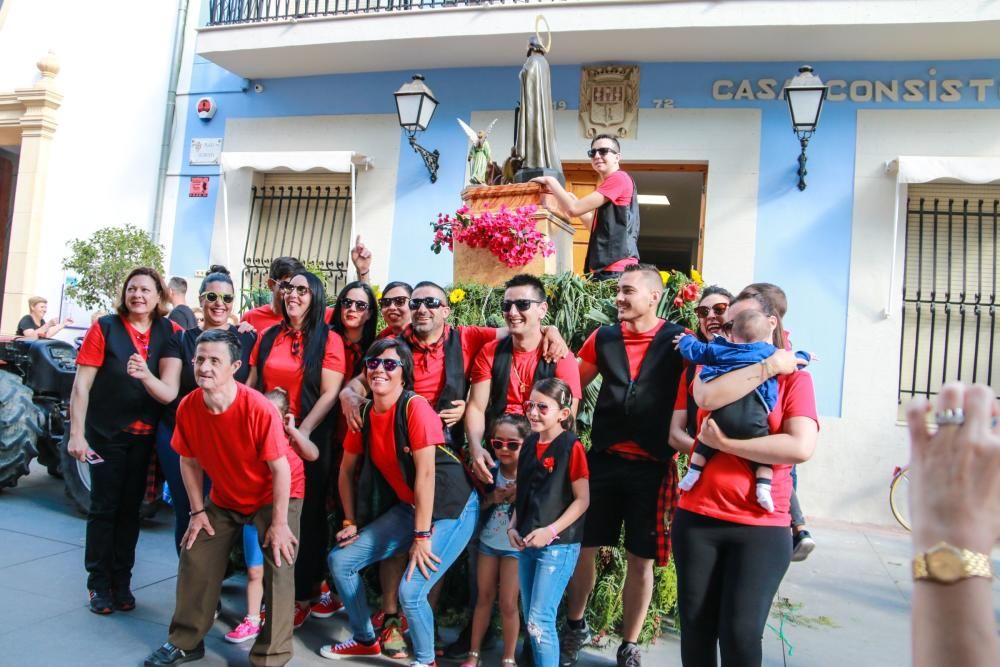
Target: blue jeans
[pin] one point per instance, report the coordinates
(389, 534)
(170, 464)
(544, 574)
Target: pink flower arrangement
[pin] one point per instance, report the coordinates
(509, 234)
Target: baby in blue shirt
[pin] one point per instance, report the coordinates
(747, 417)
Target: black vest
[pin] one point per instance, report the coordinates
(500, 382)
(456, 384)
(186, 343)
(117, 400)
(692, 407)
(637, 410)
(615, 235)
(543, 496)
(375, 496)
(311, 378)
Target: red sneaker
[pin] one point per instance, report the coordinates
(328, 605)
(301, 614)
(378, 621)
(349, 649)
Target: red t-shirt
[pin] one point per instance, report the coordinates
(578, 468)
(726, 489)
(428, 361)
(284, 369)
(522, 373)
(92, 354)
(618, 188)
(636, 346)
(234, 448)
(263, 317)
(386, 333)
(424, 427)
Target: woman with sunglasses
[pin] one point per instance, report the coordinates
(395, 305)
(216, 296)
(126, 373)
(412, 494)
(306, 358)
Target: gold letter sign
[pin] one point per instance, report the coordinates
(609, 100)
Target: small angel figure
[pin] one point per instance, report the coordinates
(479, 153)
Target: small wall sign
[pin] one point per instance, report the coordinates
(205, 151)
(198, 187)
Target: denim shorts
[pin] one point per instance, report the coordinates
(497, 553)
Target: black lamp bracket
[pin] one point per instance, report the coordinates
(803, 142)
(430, 157)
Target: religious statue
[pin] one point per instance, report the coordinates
(480, 156)
(536, 133)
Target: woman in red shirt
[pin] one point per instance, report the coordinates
(730, 553)
(305, 358)
(126, 373)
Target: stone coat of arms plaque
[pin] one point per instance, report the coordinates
(609, 100)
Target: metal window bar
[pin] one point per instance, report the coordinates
(949, 318)
(227, 12)
(311, 223)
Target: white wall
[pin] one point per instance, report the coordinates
(114, 59)
(849, 476)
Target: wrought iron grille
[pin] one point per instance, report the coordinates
(310, 222)
(949, 327)
(226, 12)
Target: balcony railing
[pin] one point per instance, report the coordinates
(230, 12)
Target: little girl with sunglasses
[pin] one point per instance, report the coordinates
(497, 558)
(553, 492)
(305, 449)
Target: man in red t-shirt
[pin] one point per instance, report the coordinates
(232, 433)
(524, 307)
(612, 211)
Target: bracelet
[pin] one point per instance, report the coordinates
(191, 514)
(555, 535)
(422, 534)
(363, 274)
(347, 522)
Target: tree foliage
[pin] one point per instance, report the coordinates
(102, 261)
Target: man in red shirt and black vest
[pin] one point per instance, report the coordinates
(633, 479)
(612, 211)
(232, 433)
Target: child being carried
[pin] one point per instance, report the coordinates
(746, 418)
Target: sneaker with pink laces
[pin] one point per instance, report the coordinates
(378, 621)
(348, 649)
(328, 605)
(245, 631)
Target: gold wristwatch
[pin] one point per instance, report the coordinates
(944, 563)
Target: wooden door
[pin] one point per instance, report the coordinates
(581, 180)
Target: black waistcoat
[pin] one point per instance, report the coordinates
(636, 410)
(456, 383)
(543, 496)
(311, 378)
(503, 360)
(117, 400)
(615, 235)
(375, 495)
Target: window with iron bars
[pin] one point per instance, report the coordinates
(306, 216)
(949, 318)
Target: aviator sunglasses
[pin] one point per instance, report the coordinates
(718, 310)
(357, 304)
(398, 301)
(600, 151)
(432, 302)
(543, 408)
(521, 304)
(212, 297)
(509, 445)
(372, 364)
(288, 288)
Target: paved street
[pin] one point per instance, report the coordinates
(853, 591)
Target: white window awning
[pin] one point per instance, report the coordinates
(339, 162)
(924, 169)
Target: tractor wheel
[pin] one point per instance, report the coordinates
(20, 425)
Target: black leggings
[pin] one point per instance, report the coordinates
(727, 576)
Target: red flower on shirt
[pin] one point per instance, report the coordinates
(549, 463)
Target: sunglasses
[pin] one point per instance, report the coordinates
(358, 305)
(212, 297)
(543, 408)
(372, 364)
(600, 151)
(509, 445)
(521, 304)
(288, 288)
(718, 310)
(398, 301)
(432, 302)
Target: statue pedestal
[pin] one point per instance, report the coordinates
(481, 266)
